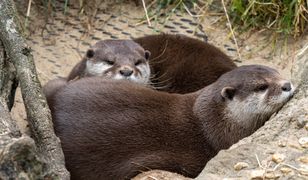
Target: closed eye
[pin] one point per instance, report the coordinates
(109, 62)
(138, 62)
(262, 87)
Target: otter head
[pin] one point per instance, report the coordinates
(251, 94)
(240, 102)
(118, 59)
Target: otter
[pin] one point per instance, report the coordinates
(114, 59)
(180, 64)
(52, 87)
(116, 129)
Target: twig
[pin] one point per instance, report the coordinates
(301, 52)
(28, 13)
(259, 162)
(153, 177)
(146, 13)
(290, 166)
(231, 29)
(29, 8)
(274, 169)
(188, 11)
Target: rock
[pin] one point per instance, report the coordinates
(272, 175)
(240, 165)
(278, 158)
(303, 159)
(280, 133)
(303, 142)
(282, 143)
(302, 121)
(257, 174)
(286, 170)
(159, 175)
(303, 171)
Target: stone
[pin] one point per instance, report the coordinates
(282, 143)
(272, 175)
(303, 171)
(240, 165)
(278, 158)
(159, 175)
(257, 174)
(303, 141)
(286, 170)
(303, 159)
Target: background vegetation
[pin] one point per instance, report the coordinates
(286, 17)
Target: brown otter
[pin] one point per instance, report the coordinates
(118, 129)
(178, 63)
(52, 87)
(182, 64)
(115, 59)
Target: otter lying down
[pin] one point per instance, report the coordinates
(116, 129)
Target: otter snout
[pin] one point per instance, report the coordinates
(126, 71)
(287, 86)
(287, 90)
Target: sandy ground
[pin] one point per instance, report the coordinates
(64, 39)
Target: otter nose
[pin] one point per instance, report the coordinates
(126, 72)
(286, 86)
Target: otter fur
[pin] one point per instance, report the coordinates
(114, 59)
(178, 63)
(116, 129)
(181, 64)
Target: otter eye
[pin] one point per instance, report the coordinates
(109, 62)
(138, 62)
(262, 87)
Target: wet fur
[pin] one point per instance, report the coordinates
(116, 129)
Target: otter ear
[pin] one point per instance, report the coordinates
(90, 53)
(228, 93)
(147, 54)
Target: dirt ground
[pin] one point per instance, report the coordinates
(58, 45)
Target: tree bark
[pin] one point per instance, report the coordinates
(18, 158)
(7, 76)
(8, 80)
(38, 113)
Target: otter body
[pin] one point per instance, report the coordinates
(117, 129)
(180, 64)
(114, 59)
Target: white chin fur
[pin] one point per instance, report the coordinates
(130, 78)
(284, 96)
(145, 71)
(97, 69)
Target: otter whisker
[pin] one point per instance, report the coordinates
(162, 87)
(162, 82)
(164, 50)
(159, 77)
